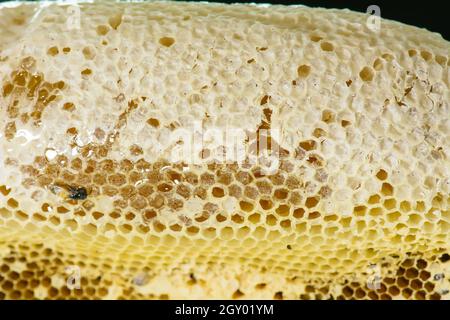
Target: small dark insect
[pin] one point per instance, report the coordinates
(77, 193)
(68, 191)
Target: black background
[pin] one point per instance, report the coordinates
(433, 15)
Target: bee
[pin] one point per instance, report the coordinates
(69, 191)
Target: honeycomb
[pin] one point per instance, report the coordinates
(342, 191)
